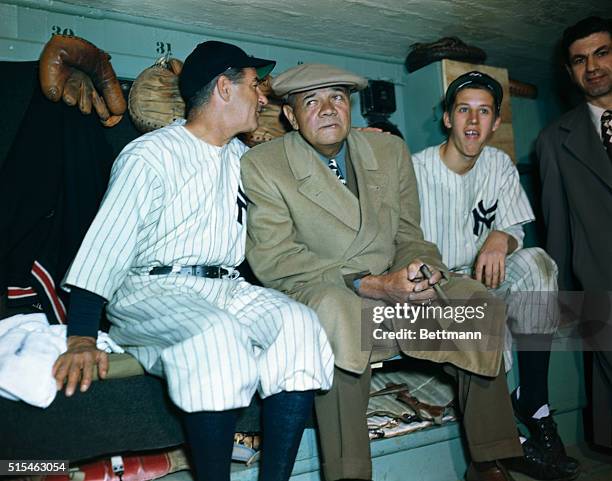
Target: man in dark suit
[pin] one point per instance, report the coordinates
(575, 154)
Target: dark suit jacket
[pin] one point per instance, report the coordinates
(576, 178)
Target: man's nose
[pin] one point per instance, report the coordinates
(328, 108)
(591, 63)
(473, 117)
(262, 99)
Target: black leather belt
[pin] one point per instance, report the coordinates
(214, 272)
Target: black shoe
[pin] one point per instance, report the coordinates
(545, 447)
(538, 463)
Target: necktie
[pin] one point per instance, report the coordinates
(606, 131)
(334, 168)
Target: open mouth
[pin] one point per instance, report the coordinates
(471, 134)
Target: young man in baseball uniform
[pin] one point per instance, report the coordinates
(161, 253)
(473, 207)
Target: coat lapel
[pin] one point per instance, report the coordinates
(371, 183)
(583, 143)
(318, 184)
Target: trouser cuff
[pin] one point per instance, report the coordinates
(347, 468)
(507, 448)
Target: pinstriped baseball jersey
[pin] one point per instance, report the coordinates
(176, 200)
(459, 211)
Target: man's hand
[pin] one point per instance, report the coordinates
(490, 267)
(423, 289)
(407, 284)
(78, 363)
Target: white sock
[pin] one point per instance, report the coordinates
(522, 439)
(542, 412)
(518, 392)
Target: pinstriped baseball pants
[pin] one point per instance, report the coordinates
(217, 341)
(531, 275)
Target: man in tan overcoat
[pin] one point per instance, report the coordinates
(333, 221)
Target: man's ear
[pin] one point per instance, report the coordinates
(288, 111)
(497, 123)
(224, 87)
(447, 120)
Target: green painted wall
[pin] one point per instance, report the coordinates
(529, 117)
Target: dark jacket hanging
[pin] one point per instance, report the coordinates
(54, 168)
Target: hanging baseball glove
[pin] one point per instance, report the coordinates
(155, 100)
(523, 89)
(270, 119)
(422, 54)
(79, 72)
(79, 90)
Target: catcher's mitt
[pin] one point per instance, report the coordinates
(270, 123)
(453, 48)
(70, 67)
(155, 100)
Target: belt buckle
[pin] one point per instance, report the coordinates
(232, 273)
(211, 272)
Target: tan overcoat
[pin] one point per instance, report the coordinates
(306, 232)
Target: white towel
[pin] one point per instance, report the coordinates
(29, 347)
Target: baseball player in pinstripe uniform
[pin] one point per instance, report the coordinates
(161, 252)
(473, 207)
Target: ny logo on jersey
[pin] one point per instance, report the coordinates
(241, 200)
(482, 215)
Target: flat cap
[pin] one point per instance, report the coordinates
(310, 76)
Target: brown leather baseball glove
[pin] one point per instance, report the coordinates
(77, 71)
(422, 54)
(270, 119)
(155, 100)
(79, 89)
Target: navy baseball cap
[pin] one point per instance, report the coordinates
(212, 58)
(478, 80)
